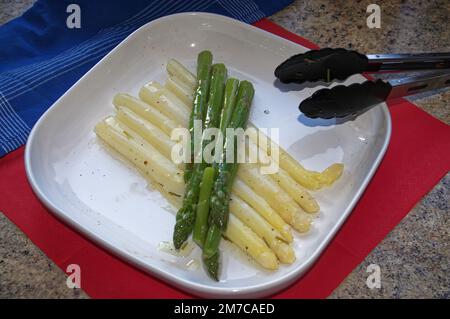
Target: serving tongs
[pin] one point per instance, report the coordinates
(328, 64)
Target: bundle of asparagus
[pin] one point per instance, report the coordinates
(220, 197)
(207, 195)
(251, 210)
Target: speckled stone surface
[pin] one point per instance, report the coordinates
(414, 258)
(25, 272)
(9, 9)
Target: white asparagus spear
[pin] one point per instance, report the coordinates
(181, 73)
(298, 193)
(150, 132)
(181, 90)
(248, 241)
(154, 94)
(262, 228)
(146, 111)
(283, 204)
(262, 207)
(142, 154)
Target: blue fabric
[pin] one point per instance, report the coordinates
(40, 57)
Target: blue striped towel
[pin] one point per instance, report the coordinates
(40, 57)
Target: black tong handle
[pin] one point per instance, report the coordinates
(321, 65)
(341, 101)
(329, 64)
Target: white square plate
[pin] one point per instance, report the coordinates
(78, 179)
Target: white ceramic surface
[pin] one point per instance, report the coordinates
(108, 201)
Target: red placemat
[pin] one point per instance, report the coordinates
(417, 158)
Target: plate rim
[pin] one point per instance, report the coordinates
(256, 290)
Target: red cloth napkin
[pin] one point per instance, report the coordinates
(417, 158)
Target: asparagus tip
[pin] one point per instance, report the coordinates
(212, 265)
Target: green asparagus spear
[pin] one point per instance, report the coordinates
(204, 61)
(231, 90)
(186, 215)
(201, 219)
(212, 264)
(212, 241)
(219, 206)
(215, 101)
(226, 171)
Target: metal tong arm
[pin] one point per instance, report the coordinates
(418, 84)
(405, 62)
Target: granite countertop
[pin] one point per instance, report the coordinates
(414, 258)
